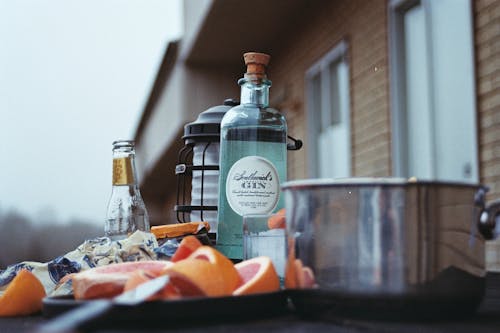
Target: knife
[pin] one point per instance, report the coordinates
(74, 320)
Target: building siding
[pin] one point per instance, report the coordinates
(487, 48)
(364, 26)
(366, 34)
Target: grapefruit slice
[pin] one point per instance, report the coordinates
(229, 275)
(258, 276)
(197, 277)
(308, 279)
(23, 296)
(93, 285)
(277, 221)
(298, 275)
(152, 266)
(290, 272)
(109, 281)
(187, 246)
(139, 277)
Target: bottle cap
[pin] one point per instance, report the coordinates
(256, 64)
(123, 143)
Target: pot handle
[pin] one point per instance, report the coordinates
(489, 219)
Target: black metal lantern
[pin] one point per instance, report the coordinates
(198, 165)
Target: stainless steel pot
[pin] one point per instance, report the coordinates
(411, 245)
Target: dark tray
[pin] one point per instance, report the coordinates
(183, 312)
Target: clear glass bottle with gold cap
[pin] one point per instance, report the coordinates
(126, 209)
(253, 153)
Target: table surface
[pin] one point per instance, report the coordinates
(487, 319)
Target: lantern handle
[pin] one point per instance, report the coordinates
(296, 145)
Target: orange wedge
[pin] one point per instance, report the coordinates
(187, 246)
(278, 220)
(229, 275)
(197, 277)
(109, 281)
(308, 279)
(139, 277)
(298, 275)
(290, 271)
(23, 296)
(258, 275)
(152, 266)
(178, 229)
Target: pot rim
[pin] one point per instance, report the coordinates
(369, 181)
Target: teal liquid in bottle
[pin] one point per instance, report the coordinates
(252, 158)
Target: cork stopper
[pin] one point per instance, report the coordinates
(256, 64)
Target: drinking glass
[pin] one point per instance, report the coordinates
(263, 236)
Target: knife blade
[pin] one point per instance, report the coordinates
(72, 320)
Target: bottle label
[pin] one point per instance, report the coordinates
(122, 171)
(253, 186)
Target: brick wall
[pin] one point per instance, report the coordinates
(363, 24)
(487, 47)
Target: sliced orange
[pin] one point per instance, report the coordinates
(178, 229)
(258, 275)
(290, 271)
(91, 284)
(230, 277)
(298, 275)
(139, 277)
(109, 281)
(23, 296)
(187, 246)
(154, 266)
(197, 277)
(66, 278)
(308, 278)
(278, 220)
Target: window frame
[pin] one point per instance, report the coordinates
(339, 53)
(397, 10)
(398, 98)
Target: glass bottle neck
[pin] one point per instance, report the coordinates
(124, 169)
(255, 92)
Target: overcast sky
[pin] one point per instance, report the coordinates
(74, 76)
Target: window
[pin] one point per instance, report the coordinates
(432, 90)
(328, 115)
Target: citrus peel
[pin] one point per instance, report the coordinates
(196, 277)
(298, 275)
(140, 276)
(178, 229)
(23, 296)
(109, 281)
(258, 276)
(278, 220)
(187, 246)
(229, 275)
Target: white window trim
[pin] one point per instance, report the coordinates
(339, 52)
(396, 9)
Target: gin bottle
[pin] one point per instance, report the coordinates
(126, 209)
(252, 157)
